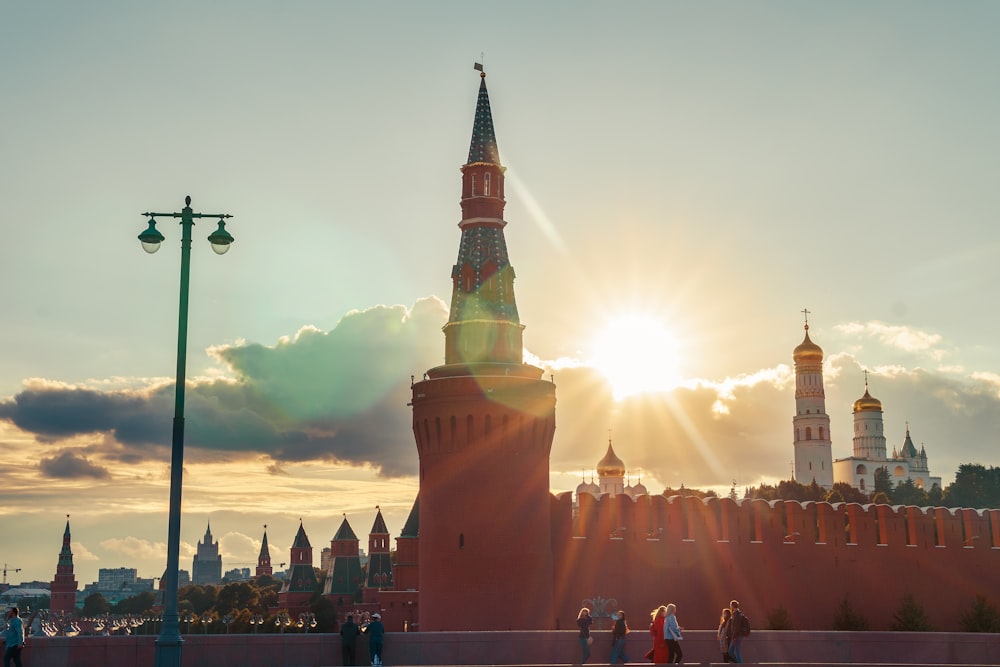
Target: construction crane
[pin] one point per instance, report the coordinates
(5, 569)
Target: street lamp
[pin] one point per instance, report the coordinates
(256, 621)
(307, 620)
(170, 642)
(227, 620)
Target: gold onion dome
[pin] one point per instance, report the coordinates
(867, 403)
(610, 465)
(808, 350)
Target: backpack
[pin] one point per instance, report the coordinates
(744, 628)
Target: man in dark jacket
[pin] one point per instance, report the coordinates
(349, 632)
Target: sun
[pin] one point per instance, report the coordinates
(637, 354)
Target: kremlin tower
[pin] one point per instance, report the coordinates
(343, 573)
(813, 452)
(263, 559)
(63, 587)
(298, 588)
(379, 560)
(483, 424)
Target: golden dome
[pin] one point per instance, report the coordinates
(808, 350)
(610, 465)
(867, 403)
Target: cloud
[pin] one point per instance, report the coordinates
(134, 547)
(708, 433)
(69, 465)
(239, 548)
(82, 553)
(337, 395)
(907, 339)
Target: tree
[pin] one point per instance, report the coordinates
(778, 619)
(910, 616)
(981, 617)
(236, 596)
(136, 604)
(883, 483)
(847, 618)
(849, 493)
(975, 486)
(881, 498)
(94, 605)
(202, 598)
(908, 493)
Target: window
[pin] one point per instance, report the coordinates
(809, 433)
(486, 184)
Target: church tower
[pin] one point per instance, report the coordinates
(264, 559)
(611, 472)
(869, 436)
(483, 424)
(63, 587)
(813, 452)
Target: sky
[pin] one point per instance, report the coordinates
(683, 180)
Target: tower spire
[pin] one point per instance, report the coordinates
(483, 147)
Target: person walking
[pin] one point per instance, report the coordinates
(583, 621)
(13, 638)
(722, 635)
(376, 632)
(672, 634)
(660, 653)
(618, 633)
(739, 628)
(349, 632)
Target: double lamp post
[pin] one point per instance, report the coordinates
(169, 642)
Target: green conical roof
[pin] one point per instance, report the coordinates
(412, 526)
(483, 147)
(345, 532)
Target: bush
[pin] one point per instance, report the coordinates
(778, 619)
(910, 616)
(849, 619)
(981, 617)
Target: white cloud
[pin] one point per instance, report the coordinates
(907, 339)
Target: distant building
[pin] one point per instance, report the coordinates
(64, 586)
(906, 463)
(611, 479)
(237, 574)
(813, 456)
(113, 579)
(263, 558)
(206, 567)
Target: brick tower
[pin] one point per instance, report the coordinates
(264, 559)
(379, 562)
(63, 587)
(483, 424)
(301, 582)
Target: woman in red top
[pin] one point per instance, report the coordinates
(660, 652)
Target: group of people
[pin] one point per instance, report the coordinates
(734, 627)
(667, 634)
(371, 626)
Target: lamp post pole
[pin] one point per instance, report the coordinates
(169, 643)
